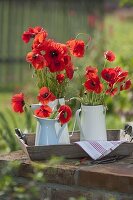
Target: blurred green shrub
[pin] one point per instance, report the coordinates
(8, 122)
(13, 187)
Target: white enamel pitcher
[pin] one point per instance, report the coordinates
(64, 138)
(92, 123)
(48, 132)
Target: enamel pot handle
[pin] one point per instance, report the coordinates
(78, 121)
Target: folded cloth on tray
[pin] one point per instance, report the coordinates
(98, 149)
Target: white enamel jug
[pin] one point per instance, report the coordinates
(92, 123)
(64, 138)
(48, 132)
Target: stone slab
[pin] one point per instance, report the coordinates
(114, 177)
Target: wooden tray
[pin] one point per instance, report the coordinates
(68, 150)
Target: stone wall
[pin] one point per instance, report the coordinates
(73, 178)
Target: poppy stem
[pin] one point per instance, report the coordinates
(81, 34)
(104, 64)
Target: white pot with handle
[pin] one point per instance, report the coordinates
(91, 122)
(64, 138)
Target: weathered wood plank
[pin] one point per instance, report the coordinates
(30, 138)
(66, 151)
(22, 144)
(111, 135)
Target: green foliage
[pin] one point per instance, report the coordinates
(12, 187)
(6, 132)
(80, 198)
(28, 120)
(8, 122)
(126, 2)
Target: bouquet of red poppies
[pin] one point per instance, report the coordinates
(51, 61)
(99, 83)
(53, 68)
(62, 113)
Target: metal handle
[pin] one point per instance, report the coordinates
(79, 123)
(21, 135)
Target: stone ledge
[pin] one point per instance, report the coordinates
(115, 177)
(63, 192)
(15, 155)
(103, 179)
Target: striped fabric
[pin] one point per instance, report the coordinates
(98, 149)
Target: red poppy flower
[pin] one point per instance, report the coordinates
(76, 47)
(60, 78)
(126, 85)
(109, 55)
(18, 102)
(65, 114)
(43, 111)
(30, 33)
(40, 37)
(56, 65)
(37, 60)
(40, 47)
(69, 67)
(54, 51)
(121, 75)
(93, 85)
(67, 60)
(38, 29)
(111, 91)
(54, 55)
(90, 71)
(109, 75)
(45, 96)
(118, 69)
(70, 71)
(27, 35)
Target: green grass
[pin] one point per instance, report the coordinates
(5, 99)
(9, 121)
